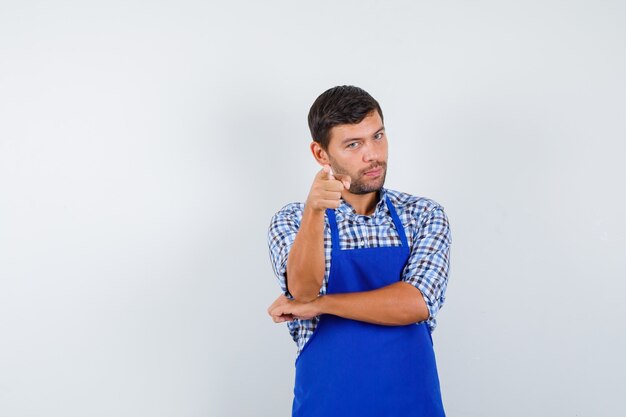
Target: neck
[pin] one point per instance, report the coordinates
(363, 204)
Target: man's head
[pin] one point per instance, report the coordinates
(346, 125)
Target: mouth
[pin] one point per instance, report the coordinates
(374, 172)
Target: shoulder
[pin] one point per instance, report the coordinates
(420, 215)
(291, 212)
(412, 207)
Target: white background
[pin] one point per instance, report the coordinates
(145, 145)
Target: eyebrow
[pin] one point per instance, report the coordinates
(349, 139)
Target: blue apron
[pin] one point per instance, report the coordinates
(353, 368)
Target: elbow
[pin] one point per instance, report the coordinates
(415, 315)
(303, 290)
(304, 296)
(422, 313)
(417, 309)
(413, 311)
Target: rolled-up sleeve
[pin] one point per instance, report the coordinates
(428, 265)
(281, 235)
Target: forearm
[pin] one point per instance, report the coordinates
(306, 264)
(397, 304)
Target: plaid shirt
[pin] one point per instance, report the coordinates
(427, 231)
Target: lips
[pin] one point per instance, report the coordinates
(374, 172)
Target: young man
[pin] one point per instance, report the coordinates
(363, 270)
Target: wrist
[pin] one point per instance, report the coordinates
(321, 304)
(310, 210)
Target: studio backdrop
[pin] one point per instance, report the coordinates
(144, 147)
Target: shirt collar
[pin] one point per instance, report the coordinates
(346, 210)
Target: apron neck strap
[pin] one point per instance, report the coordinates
(334, 230)
(397, 222)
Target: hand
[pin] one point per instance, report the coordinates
(326, 189)
(284, 309)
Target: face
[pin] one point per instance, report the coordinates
(360, 151)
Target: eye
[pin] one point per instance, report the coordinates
(379, 135)
(350, 145)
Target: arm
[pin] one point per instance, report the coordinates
(297, 250)
(429, 263)
(306, 259)
(306, 264)
(417, 297)
(393, 305)
(397, 304)
(281, 234)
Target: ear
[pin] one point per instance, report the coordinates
(320, 155)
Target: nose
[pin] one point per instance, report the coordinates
(370, 152)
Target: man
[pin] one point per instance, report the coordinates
(363, 270)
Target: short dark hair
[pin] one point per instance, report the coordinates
(339, 105)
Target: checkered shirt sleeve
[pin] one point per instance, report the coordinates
(281, 235)
(428, 264)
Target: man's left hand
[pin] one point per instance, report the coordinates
(284, 309)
